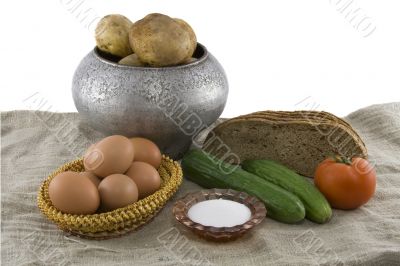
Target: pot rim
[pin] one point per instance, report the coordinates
(203, 57)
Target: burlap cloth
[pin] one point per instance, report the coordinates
(33, 144)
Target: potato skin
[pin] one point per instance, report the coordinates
(159, 40)
(192, 34)
(131, 60)
(112, 35)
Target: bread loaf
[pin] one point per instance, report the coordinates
(300, 140)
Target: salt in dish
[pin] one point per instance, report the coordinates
(219, 213)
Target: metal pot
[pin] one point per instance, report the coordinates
(168, 105)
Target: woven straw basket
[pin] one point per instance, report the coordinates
(117, 222)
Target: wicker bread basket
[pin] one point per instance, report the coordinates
(117, 222)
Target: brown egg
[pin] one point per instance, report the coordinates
(73, 193)
(111, 155)
(146, 151)
(90, 149)
(117, 191)
(92, 177)
(146, 178)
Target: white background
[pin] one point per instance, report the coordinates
(275, 53)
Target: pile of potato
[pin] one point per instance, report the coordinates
(156, 40)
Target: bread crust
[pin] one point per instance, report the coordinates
(300, 139)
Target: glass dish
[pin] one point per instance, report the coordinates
(221, 234)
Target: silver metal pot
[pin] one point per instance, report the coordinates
(168, 105)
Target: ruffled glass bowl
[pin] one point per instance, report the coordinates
(256, 207)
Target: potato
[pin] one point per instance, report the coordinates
(193, 38)
(112, 35)
(131, 60)
(159, 40)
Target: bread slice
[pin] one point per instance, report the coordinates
(294, 139)
(313, 117)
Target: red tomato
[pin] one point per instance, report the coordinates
(346, 184)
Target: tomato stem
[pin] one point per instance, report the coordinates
(341, 159)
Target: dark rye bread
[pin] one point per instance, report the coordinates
(300, 142)
(312, 117)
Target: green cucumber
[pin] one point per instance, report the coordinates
(208, 172)
(317, 207)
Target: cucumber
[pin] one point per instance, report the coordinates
(317, 207)
(208, 172)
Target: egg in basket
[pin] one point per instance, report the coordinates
(119, 185)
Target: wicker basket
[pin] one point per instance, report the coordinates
(117, 222)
